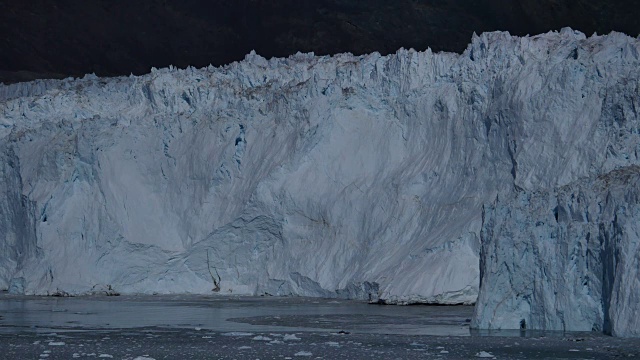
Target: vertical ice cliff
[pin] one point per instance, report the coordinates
(17, 225)
(564, 259)
(565, 255)
(323, 176)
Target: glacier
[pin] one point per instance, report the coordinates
(336, 176)
(564, 259)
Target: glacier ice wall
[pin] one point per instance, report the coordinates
(564, 259)
(354, 176)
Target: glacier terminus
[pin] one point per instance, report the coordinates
(418, 177)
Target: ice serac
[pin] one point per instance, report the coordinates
(350, 176)
(564, 259)
(564, 255)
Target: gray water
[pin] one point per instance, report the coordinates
(229, 314)
(208, 327)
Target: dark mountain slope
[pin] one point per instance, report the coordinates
(41, 38)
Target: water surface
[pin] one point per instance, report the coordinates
(229, 314)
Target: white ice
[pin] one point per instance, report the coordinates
(345, 176)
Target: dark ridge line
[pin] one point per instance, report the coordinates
(57, 39)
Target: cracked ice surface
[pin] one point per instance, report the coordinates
(564, 259)
(350, 176)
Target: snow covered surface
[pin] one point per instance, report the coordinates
(344, 176)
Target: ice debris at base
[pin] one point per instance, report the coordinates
(564, 259)
(261, 338)
(345, 176)
(484, 354)
(237, 333)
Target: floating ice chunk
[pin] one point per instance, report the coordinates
(56, 343)
(302, 353)
(237, 333)
(484, 354)
(261, 338)
(291, 337)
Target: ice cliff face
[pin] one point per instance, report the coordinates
(565, 259)
(323, 176)
(565, 255)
